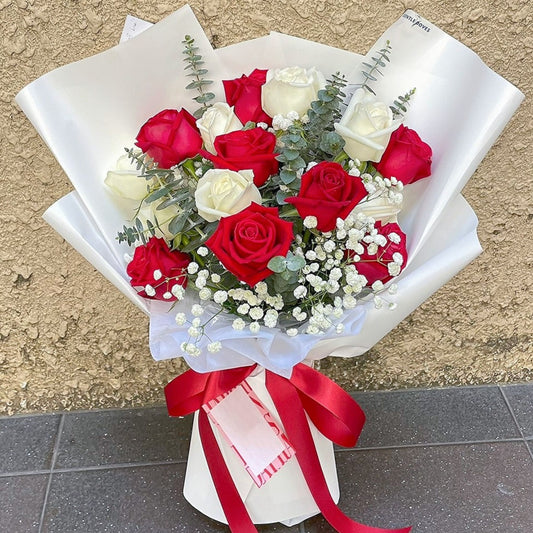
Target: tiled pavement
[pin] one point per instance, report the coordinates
(449, 460)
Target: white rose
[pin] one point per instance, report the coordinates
(366, 126)
(124, 180)
(222, 192)
(290, 89)
(163, 216)
(217, 120)
(381, 209)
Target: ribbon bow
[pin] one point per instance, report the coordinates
(335, 414)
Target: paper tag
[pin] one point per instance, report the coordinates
(132, 27)
(250, 430)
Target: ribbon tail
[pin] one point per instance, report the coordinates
(239, 520)
(294, 420)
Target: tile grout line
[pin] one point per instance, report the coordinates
(427, 444)
(24, 473)
(52, 465)
(515, 420)
(117, 466)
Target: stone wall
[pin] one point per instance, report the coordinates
(68, 339)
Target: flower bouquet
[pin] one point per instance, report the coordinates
(310, 203)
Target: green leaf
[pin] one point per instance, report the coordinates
(277, 264)
(151, 228)
(204, 98)
(197, 84)
(295, 262)
(155, 195)
(287, 176)
(281, 196)
(290, 155)
(177, 223)
(324, 96)
(176, 199)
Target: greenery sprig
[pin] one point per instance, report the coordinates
(399, 107)
(166, 188)
(194, 64)
(379, 61)
(323, 141)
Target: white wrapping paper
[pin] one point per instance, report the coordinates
(87, 112)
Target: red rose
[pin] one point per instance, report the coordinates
(156, 255)
(170, 137)
(406, 157)
(244, 94)
(328, 192)
(247, 241)
(246, 149)
(375, 267)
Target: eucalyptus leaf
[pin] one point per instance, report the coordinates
(295, 262)
(277, 264)
(177, 223)
(287, 176)
(156, 195)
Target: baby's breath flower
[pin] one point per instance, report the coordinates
(329, 246)
(200, 282)
(194, 332)
(205, 293)
(255, 327)
(377, 286)
(197, 322)
(349, 301)
(197, 310)
(261, 288)
(178, 291)
(238, 324)
(394, 237)
(167, 295)
(397, 257)
(293, 115)
(214, 347)
(310, 222)
(243, 309)
(215, 278)
(149, 290)
(394, 269)
(202, 251)
(220, 297)
(180, 319)
(292, 332)
(192, 267)
(300, 292)
(256, 313)
(157, 275)
(372, 248)
(380, 240)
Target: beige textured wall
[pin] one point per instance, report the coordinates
(68, 339)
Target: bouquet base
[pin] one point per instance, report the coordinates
(284, 498)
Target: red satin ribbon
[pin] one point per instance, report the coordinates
(335, 414)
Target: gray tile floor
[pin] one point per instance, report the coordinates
(449, 460)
